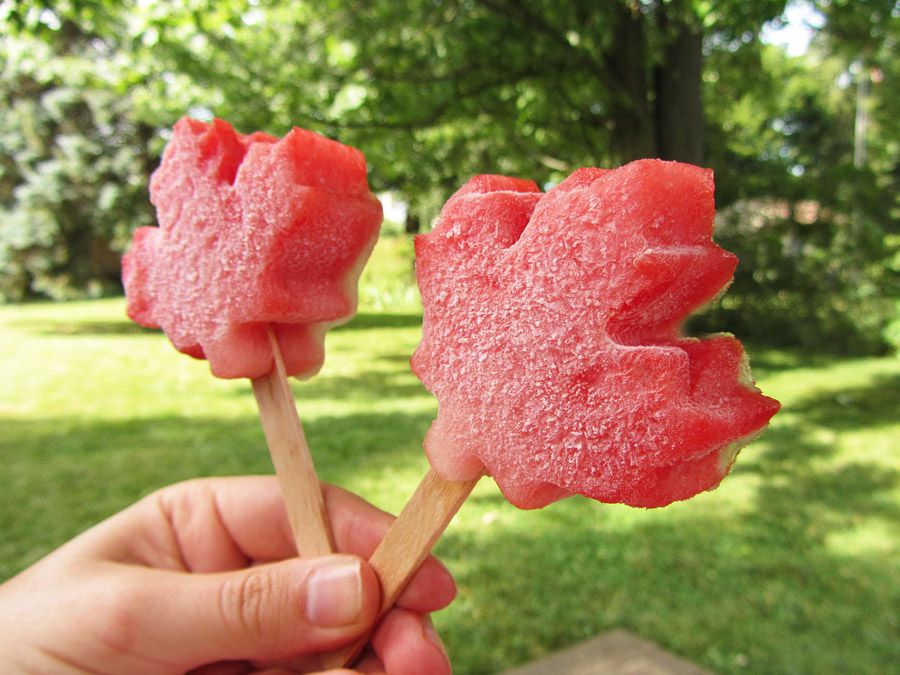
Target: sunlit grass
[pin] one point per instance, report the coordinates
(790, 566)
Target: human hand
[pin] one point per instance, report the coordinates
(202, 575)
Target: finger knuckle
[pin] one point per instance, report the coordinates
(117, 629)
(243, 602)
(114, 624)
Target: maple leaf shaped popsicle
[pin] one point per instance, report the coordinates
(254, 233)
(258, 251)
(551, 339)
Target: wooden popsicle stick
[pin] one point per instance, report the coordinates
(292, 459)
(406, 545)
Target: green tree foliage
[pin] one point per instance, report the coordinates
(441, 90)
(90, 89)
(436, 91)
(815, 227)
(72, 167)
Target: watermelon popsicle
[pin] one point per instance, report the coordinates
(258, 251)
(552, 341)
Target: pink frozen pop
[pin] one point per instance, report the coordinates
(255, 233)
(259, 247)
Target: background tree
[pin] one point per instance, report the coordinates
(815, 229)
(90, 89)
(73, 164)
(446, 89)
(437, 91)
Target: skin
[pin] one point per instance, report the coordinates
(203, 577)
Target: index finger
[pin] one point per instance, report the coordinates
(227, 523)
(221, 524)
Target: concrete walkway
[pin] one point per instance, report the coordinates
(617, 652)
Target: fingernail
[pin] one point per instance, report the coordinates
(334, 595)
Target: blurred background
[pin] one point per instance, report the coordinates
(795, 107)
(791, 568)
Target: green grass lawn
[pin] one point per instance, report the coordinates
(790, 566)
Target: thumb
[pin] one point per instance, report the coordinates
(287, 609)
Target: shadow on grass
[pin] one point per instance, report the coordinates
(364, 386)
(783, 443)
(769, 589)
(396, 357)
(875, 404)
(366, 320)
(45, 327)
(63, 474)
(789, 458)
(803, 579)
(734, 594)
(766, 360)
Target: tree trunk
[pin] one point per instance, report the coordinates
(413, 223)
(679, 104)
(658, 113)
(633, 131)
